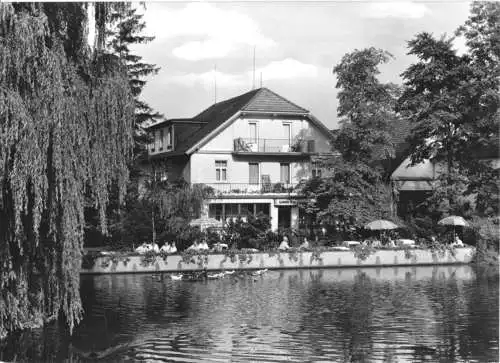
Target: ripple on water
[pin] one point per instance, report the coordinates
(423, 314)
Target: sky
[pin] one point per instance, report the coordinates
(296, 43)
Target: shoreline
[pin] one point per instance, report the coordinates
(116, 263)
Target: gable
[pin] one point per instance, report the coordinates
(259, 101)
(268, 101)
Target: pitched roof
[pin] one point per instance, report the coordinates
(173, 121)
(266, 100)
(214, 116)
(258, 100)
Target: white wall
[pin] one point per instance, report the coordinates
(268, 128)
(221, 147)
(202, 166)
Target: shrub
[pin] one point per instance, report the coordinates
(247, 234)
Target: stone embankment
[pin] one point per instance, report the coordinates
(239, 260)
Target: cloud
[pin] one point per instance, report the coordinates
(288, 68)
(217, 32)
(278, 70)
(404, 10)
(197, 50)
(207, 79)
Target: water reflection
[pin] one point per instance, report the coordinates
(414, 314)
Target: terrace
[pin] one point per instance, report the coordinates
(228, 189)
(273, 146)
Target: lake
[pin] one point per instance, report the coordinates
(410, 314)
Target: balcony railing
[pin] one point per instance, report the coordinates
(247, 188)
(273, 146)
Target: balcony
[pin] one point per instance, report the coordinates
(238, 189)
(273, 146)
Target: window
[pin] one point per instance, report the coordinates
(253, 172)
(253, 131)
(231, 210)
(215, 211)
(247, 209)
(221, 170)
(262, 208)
(169, 138)
(158, 140)
(316, 169)
(285, 173)
(310, 146)
(160, 147)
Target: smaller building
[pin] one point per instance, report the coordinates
(413, 184)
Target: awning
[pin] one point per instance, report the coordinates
(413, 185)
(405, 171)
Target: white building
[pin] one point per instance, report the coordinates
(253, 150)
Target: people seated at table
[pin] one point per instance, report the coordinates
(218, 247)
(203, 246)
(284, 244)
(457, 241)
(199, 246)
(390, 243)
(147, 247)
(169, 247)
(195, 246)
(304, 244)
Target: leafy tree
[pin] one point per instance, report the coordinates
(66, 117)
(126, 31)
(453, 100)
(161, 214)
(353, 196)
(247, 233)
(366, 107)
(355, 192)
(482, 34)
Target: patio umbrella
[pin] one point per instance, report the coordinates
(380, 224)
(205, 223)
(453, 221)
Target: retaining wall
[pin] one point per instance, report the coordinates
(276, 260)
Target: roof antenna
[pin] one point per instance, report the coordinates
(253, 86)
(215, 83)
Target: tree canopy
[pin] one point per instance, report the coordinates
(366, 107)
(453, 100)
(354, 192)
(66, 121)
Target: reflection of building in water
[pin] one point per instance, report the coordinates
(344, 314)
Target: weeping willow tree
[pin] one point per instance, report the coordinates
(66, 121)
